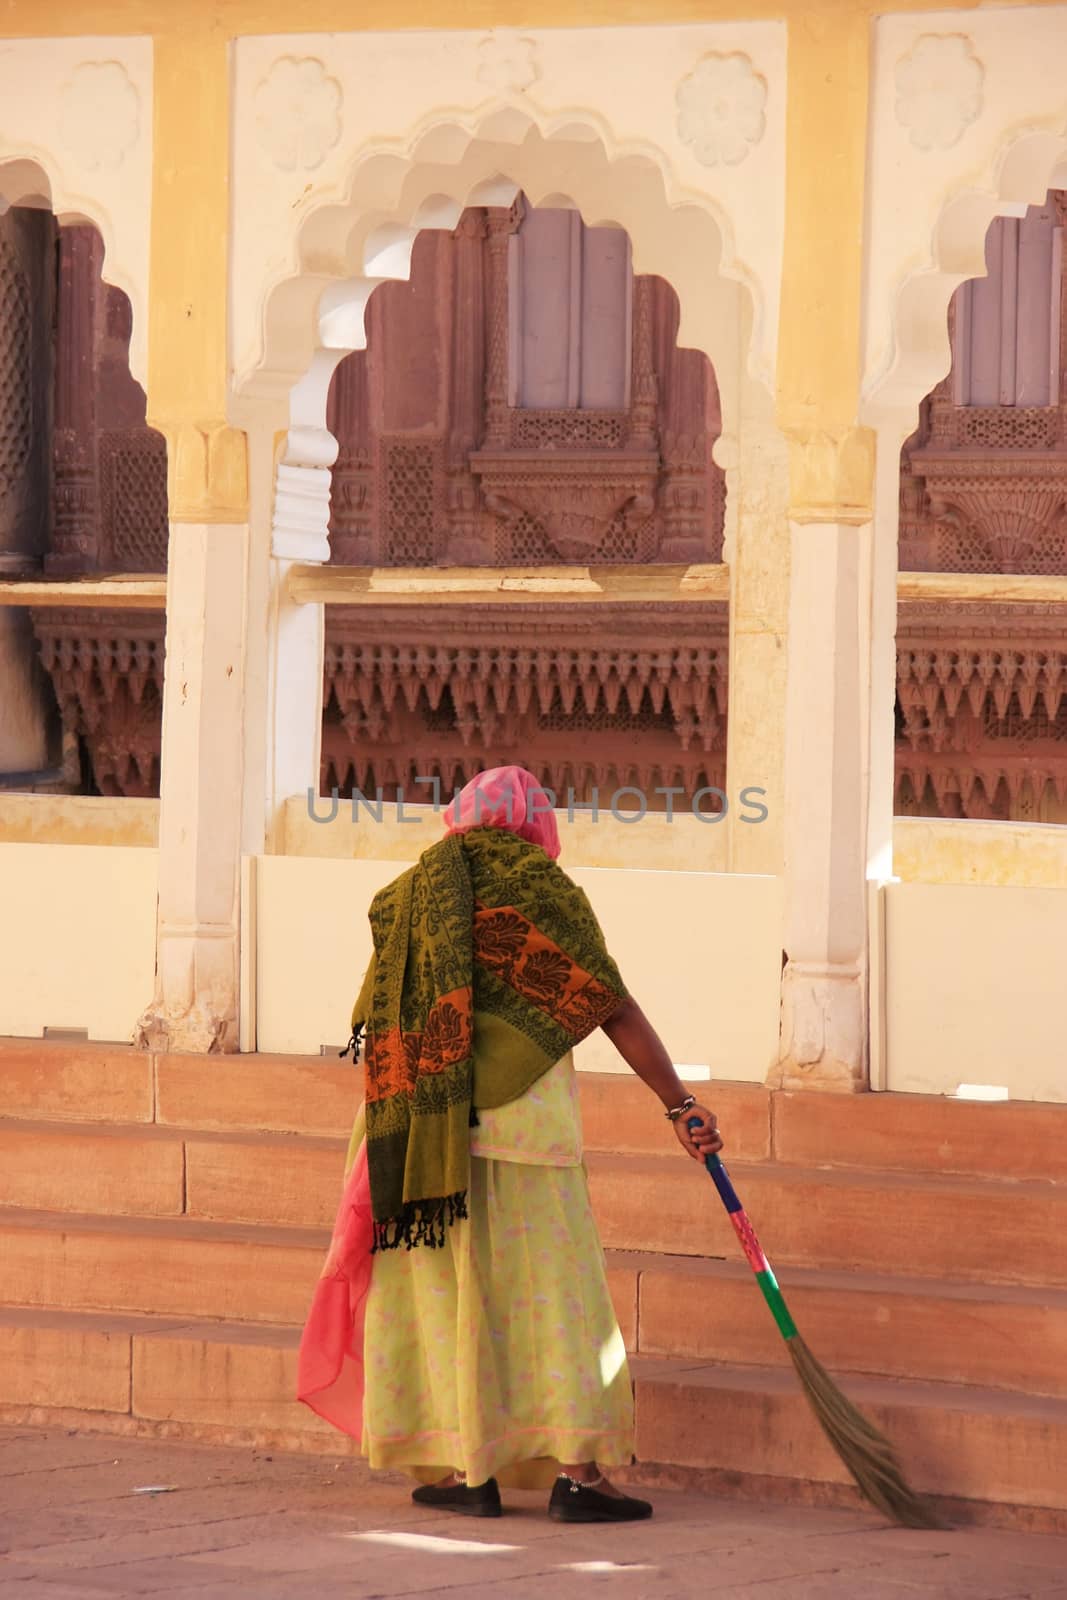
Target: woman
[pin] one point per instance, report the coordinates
(462, 1327)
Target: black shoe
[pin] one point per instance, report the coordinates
(582, 1502)
(481, 1501)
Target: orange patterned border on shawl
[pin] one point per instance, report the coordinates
(511, 946)
(395, 1059)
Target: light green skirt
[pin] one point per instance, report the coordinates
(502, 1350)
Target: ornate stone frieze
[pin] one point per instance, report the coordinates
(722, 109)
(940, 86)
(107, 672)
(585, 698)
(981, 709)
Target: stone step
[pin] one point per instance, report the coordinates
(146, 1170)
(185, 1268)
(1010, 1338)
(41, 1078)
(961, 1229)
(232, 1381)
(991, 1336)
(174, 1267)
(922, 1133)
(294, 1094)
(964, 1229)
(50, 1080)
(729, 1423)
(130, 1169)
(732, 1425)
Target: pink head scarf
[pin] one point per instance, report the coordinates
(506, 797)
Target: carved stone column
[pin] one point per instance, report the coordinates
(502, 224)
(75, 542)
(689, 423)
(467, 542)
(353, 477)
(828, 726)
(644, 397)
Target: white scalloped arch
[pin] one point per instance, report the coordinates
(36, 179)
(345, 246)
(1028, 167)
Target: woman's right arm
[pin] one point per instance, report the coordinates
(645, 1053)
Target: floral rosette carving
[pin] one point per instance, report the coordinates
(940, 86)
(99, 116)
(722, 109)
(507, 63)
(298, 113)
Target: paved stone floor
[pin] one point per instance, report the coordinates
(231, 1524)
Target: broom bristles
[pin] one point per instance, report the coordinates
(866, 1453)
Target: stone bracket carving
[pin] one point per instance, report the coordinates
(575, 497)
(980, 510)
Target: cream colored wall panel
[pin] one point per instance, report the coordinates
(975, 989)
(313, 944)
(80, 110)
(701, 107)
(77, 938)
(700, 951)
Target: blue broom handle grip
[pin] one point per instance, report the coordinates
(718, 1174)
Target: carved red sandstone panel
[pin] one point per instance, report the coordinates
(984, 479)
(606, 458)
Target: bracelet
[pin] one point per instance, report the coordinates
(679, 1111)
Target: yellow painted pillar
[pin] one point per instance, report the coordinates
(196, 1003)
(824, 984)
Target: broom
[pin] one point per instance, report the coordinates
(866, 1453)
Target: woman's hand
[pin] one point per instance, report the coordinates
(703, 1141)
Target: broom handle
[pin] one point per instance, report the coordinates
(750, 1244)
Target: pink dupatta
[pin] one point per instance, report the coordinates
(330, 1364)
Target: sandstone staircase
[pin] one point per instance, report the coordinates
(163, 1220)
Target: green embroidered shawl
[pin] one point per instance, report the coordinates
(489, 965)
